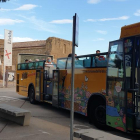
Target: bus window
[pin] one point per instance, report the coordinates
(87, 62)
(18, 67)
(115, 63)
(24, 66)
(69, 63)
(36, 65)
(93, 62)
(40, 65)
(31, 65)
(101, 61)
(79, 63)
(61, 63)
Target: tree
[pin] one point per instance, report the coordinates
(3, 0)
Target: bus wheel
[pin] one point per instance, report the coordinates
(98, 114)
(32, 95)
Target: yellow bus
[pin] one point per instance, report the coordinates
(106, 84)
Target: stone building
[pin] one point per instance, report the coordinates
(52, 46)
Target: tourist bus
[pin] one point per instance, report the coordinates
(106, 86)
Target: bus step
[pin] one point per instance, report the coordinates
(48, 97)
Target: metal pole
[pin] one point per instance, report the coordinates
(6, 78)
(3, 74)
(4, 62)
(72, 81)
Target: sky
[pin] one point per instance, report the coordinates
(100, 21)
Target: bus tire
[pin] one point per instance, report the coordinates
(32, 95)
(98, 114)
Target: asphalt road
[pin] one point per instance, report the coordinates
(47, 122)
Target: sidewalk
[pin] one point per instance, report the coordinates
(41, 125)
(10, 84)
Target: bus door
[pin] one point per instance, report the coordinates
(47, 86)
(39, 85)
(137, 43)
(48, 82)
(132, 84)
(115, 90)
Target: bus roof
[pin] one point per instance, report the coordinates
(87, 55)
(130, 30)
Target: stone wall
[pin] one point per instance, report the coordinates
(56, 47)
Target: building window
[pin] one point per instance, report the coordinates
(64, 49)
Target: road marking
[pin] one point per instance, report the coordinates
(44, 132)
(79, 126)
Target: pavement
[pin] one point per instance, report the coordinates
(9, 84)
(50, 123)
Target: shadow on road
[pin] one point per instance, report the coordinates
(79, 119)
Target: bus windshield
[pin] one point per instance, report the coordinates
(115, 64)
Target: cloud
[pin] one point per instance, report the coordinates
(1, 36)
(21, 8)
(93, 1)
(19, 39)
(107, 19)
(1, 9)
(40, 25)
(97, 1)
(99, 39)
(101, 32)
(117, 0)
(6, 21)
(137, 13)
(26, 7)
(119, 18)
(22, 39)
(91, 20)
(63, 21)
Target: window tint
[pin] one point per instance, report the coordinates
(79, 63)
(39, 65)
(31, 65)
(100, 61)
(93, 62)
(69, 63)
(87, 62)
(24, 66)
(115, 64)
(61, 63)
